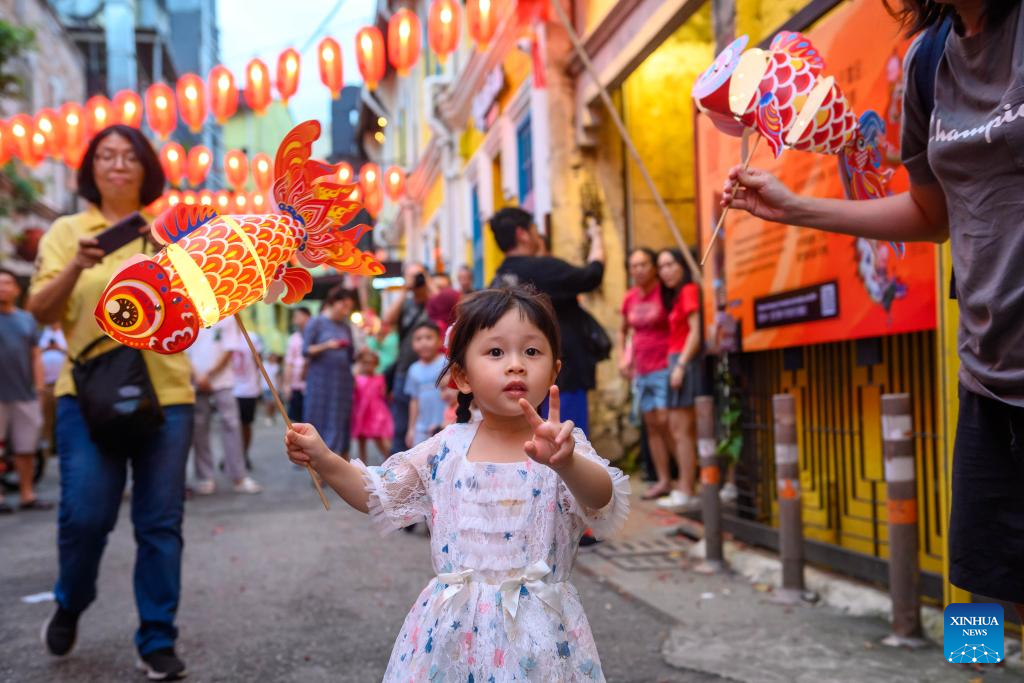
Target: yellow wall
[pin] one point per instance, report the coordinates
(759, 18)
(659, 114)
(432, 202)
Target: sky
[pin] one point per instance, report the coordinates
(263, 28)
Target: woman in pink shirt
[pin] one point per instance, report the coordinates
(643, 351)
(686, 372)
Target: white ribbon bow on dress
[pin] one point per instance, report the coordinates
(511, 590)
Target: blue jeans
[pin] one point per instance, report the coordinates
(91, 485)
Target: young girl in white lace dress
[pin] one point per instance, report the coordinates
(507, 499)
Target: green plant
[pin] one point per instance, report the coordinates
(22, 190)
(730, 441)
(14, 40)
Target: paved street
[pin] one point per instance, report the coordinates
(275, 589)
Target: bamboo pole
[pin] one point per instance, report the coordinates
(624, 134)
(721, 219)
(280, 406)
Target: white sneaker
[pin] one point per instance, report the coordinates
(204, 487)
(729, 493)
(678, 501)
(248, 485)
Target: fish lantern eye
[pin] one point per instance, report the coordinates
(134, 309)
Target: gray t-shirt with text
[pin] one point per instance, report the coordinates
(973, 147)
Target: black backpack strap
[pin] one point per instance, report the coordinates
(929, 52)
(80, 358)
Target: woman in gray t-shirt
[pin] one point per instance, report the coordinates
(966, 165)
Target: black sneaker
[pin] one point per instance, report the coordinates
(59, 632)
(162, 665)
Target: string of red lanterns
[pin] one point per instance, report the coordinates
(64, 134)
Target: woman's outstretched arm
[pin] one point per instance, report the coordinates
(918, 215)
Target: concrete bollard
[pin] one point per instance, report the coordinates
(901, 486)
(710, 485)
(787, 478)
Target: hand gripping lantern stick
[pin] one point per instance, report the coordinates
(213, 266)
(780, 94)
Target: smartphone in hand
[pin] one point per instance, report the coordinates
(121, 233)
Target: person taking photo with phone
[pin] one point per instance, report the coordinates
(119, 175)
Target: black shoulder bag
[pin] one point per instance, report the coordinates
(116, 396)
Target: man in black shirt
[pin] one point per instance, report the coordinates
(516, 235)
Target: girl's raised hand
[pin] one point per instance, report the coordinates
(552, 442)
(304, 445)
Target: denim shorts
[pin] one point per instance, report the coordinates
(650, 391)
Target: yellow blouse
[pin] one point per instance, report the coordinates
(170, 374)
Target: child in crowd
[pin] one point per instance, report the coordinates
(506, 498)
(371, 417)
(426, 407)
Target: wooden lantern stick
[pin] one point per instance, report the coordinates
(280, 406)
(721, 219)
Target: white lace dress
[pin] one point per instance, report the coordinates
(504, 538)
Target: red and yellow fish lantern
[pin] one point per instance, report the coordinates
(214, 265)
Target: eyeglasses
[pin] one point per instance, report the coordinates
(127, 159)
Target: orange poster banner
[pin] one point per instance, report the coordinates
(789, 286)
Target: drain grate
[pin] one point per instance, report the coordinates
(654, 555)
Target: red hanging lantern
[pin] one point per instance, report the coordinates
(482, 21)
(236, 169)
(206, 198)
(394, 182)
(222, 200)
(443, 28)
(403, 40)
(370, 55)
(262, 172)
(173, 197)
(5, 143)
(288, 74)
(172, 158)
(38, 143)
(74, 124)
(22, 128)
(73, 156)
(128, 108)
(191, 101)
(189, 198)
(344, 171)
(99, 113)
(241, 203)
(223, 93)
(257, 86)
(198, 164)
(157, 207)
(161, 115)
(50, 126)
(257, 202)
(369, 178)
(373, 201)
(331, 73)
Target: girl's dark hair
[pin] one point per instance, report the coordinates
(481, 311)
(153, 179)
(918, 15)
(668, 294)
